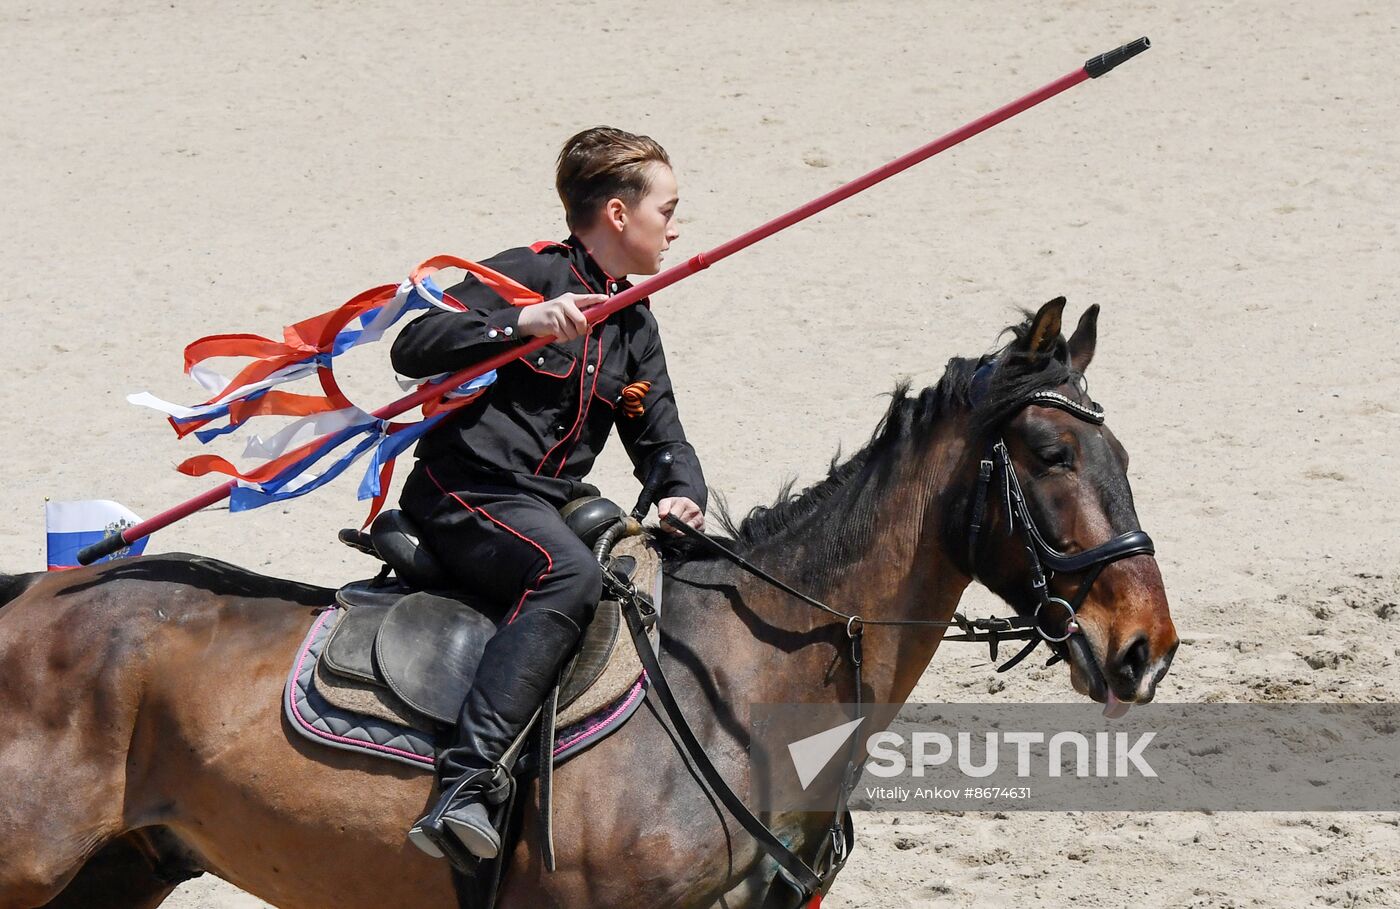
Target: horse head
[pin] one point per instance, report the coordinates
(1002, 472)
(1059, 538)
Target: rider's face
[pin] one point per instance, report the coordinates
(650, 226)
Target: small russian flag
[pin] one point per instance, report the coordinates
(73, 525)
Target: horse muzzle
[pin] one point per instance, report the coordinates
(1129, 676)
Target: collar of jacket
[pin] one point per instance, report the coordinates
(586, 266)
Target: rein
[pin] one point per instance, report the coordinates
(1045, 561)
(1042, 555)
(994, 628)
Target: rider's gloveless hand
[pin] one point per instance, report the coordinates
(684, 509)
(561, 318)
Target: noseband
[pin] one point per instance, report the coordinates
(1045, 560)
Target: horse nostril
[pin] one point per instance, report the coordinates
(1133, 661)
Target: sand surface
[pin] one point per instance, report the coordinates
(173, 169)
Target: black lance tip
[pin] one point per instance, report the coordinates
(1097, 66)
(103, 547)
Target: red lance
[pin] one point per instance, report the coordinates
(1091, 69)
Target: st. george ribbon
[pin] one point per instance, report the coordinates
(1091, 69)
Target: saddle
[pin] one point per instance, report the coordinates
(407, 647)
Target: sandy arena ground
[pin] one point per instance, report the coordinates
(174, 169)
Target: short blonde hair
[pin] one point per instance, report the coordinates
(604, 163)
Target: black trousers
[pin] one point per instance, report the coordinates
(511, 547)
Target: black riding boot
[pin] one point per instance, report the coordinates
(519, 666)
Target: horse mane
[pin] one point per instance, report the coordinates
(854, 487)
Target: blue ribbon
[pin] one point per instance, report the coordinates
(384, 445)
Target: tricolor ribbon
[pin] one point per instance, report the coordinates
(331, 432)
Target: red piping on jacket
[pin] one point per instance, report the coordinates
(585, 401)
(549, 561)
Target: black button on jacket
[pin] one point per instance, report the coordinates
(540, 426)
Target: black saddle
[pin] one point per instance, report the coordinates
(407, 630)
(395, 540)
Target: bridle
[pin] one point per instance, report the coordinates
(1045, 560)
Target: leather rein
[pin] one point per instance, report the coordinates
(1045, 562)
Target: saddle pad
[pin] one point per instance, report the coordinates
(364, 698)
(310, 714)
(313, 716)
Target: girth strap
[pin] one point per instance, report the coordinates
(806, 878)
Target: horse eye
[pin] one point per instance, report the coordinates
(1056, 455)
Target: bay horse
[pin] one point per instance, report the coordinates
(143, 742)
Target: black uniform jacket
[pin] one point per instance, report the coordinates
(540, 426)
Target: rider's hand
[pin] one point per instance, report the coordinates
(685, 511)
(560, 318)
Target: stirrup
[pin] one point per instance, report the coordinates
(430, 839)
(443, 845)
(430, 834)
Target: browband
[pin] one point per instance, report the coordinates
(1090, 413)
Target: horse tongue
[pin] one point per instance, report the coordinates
(1114, 708)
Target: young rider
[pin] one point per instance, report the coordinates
(489, 481)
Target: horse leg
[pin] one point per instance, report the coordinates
(135, 871)
(59, 810)
(67, 722)
(53, 821)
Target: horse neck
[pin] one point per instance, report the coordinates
(740, 642)
(904, 570)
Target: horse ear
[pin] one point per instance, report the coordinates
(1045, 327)
(1085, 337)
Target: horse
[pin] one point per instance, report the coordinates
(143, 741)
